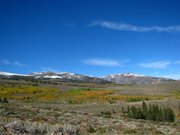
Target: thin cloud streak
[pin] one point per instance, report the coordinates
(156, 65)
(17, 63)
(48, 69)
(172, 76)
(177, 62)
(134, 28)
(101, 62)
(7, 62)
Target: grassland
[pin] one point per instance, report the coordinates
(74, 96)
(45, 109)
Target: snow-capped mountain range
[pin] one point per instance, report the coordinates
(11, 74)
(126, 74)
(130, 78)
(51, 76)
(127, 78)
(61, 75)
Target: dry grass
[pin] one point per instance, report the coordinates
(63, 119)
(47, 110)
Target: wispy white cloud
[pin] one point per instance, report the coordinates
(17, 63)
(172, 76)
(177, 62)
(5, 62)
(156, 64)
(102, 62)
(48, 69)
(134, 28)
(12, 63)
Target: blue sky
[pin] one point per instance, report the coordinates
(93, 37)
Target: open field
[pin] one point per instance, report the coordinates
(84, 108)
(148, 89)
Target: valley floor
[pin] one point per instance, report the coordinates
(83, 109)
(55, 119)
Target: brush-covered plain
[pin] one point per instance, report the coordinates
(84, 108)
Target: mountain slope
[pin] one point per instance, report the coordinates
(130, 78)
(127, 78)
(55, 77)
(11, 74)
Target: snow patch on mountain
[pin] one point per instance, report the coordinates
(125, 75)
(53, 76)
(11, 74)
(131, 78)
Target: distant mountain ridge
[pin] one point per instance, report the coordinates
(64, 75)
(127, 78)
(11, 74)
(131, 78)
(55, 77)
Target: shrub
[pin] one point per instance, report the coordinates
(91, 129)
(106, 114)
(134, 99)
(4, 100)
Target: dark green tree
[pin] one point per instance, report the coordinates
(144, 110)
(149, 115)
(134, 112)
(152, 112)
(170, 114)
